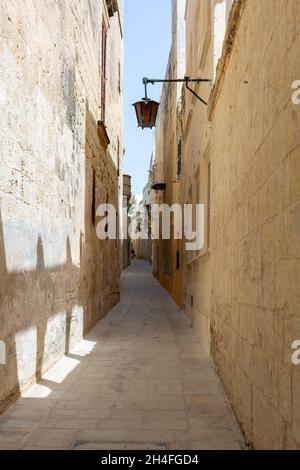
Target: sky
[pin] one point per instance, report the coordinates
(147, 34)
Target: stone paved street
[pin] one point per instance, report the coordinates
(139, 380)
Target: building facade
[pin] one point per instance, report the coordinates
(255, 202)
(126, 242)
(143, 245)
(167, 254)
(240, 158)
(61, 86)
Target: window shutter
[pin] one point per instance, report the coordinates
(103, 70)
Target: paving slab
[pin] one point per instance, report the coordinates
(139, 380)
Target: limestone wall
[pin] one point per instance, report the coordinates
(167, 254)
(255, 242)
(56, 278)
(200, 56)
(143, 249)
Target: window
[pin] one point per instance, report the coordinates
(117, 237)
(190, 254)
(103, 69)
(196, 202)
(106, 214)
(119, 156)
(179, 158)
(119, 78)
(94, 199)
(208, 205)
(178, 260)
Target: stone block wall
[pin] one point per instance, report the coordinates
(56, 278)
(168, 254)
(255, 208)
(200, 47)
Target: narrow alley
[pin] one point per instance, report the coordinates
(149, 227)
(139, 380)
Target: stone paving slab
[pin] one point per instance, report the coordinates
(139, 380)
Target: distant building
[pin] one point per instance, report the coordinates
(143, 247)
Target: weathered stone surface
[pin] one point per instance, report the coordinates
(255, 168)
(54, 277)
(131, 384)
(241, 160)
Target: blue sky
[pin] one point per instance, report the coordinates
(147, 44)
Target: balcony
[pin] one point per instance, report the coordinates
(158, 176)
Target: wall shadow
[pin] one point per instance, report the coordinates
(40, 309)
(99, 257)
(28, 302)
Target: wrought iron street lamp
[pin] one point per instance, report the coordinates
(147, 109)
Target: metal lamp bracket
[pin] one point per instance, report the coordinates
(186, 80)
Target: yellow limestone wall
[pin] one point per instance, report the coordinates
(255, 245)
(56, 278)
